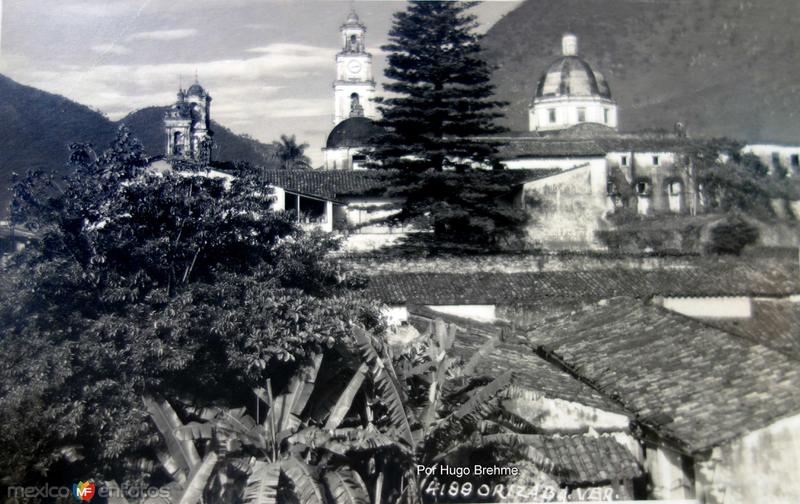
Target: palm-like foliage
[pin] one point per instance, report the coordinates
(442, 405)
(290, 154)
(279, 454)
(420, 409)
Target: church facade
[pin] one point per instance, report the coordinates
(187, 124)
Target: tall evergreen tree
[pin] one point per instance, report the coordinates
(442, 94)
(441, 104)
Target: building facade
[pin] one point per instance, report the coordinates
(187, 124)
(354, 87)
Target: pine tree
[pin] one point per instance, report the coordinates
(440, 106)
(442, 91)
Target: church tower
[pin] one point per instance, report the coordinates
(354, 87)
(188, 123)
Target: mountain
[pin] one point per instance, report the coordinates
(146, 125)
(723, 67)
(36, 129)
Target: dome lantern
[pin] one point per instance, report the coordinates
(569, 44)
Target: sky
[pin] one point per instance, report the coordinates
(268, 64)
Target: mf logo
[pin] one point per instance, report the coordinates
(83, 491)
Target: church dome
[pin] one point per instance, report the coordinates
(353, 132)
(195, 90)
(353, 21)
(572, 76)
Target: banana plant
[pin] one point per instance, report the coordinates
(457, 411)
(282, 456)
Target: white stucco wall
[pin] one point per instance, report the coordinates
(395, 314)
(553, 415)
(711, 307)
(573, 207)
(784, 153)
(481, 313)
(761, 467)
(566, 112)
(668, 478)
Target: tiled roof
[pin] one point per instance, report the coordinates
(328, 184)
(336, 185)
(530, 372)
(592, 144)
(576, 459)
(545, 147)
(775, 323)
(520, 288)
(580, 460)
(695, 384)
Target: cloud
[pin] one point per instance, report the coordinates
(298, 107)
(111, 49)
(164, 34)
(295, 50)
(244, 90)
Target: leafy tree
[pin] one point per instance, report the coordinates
(730, 180)
(143, 282)
(290, 154)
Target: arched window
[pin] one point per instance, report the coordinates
(356, 110)
(177, 143)
(675, 195)
(644, 190)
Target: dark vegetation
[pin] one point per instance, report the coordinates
(36, 129)
(139, 284)
(168, 331)
(442, 101)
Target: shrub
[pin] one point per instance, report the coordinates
(732, 236)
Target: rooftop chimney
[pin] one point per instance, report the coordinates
(569, 45)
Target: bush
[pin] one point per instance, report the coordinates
(732, 236)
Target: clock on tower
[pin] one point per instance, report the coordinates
(354, 84)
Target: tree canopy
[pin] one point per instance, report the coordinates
(144, 280)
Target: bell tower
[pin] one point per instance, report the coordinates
(354, 87)
(188, 123)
